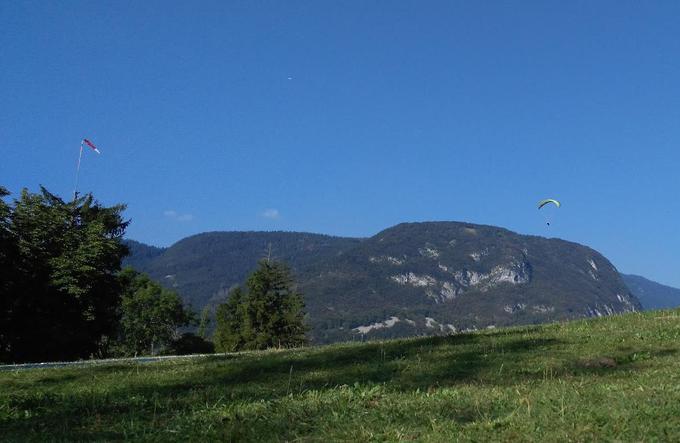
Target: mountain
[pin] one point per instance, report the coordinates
(411, 279)
(419, 278)
(652, 295)
(203, 267)
(140, 253)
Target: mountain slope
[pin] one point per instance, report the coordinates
(203, 267)
(419, 278)
(652, 295)
(411, 279)
(140, 254)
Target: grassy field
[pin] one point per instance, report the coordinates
(615, 378)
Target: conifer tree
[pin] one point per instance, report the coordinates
(231, 328)
(270, 314)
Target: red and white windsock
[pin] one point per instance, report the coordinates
(80, 156)
(90, 144)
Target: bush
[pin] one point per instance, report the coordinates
(188, 344)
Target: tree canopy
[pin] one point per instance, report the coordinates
(150, 314)
(59, 287)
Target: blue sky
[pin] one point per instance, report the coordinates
(347, 117)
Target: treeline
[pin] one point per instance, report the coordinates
(63, 295)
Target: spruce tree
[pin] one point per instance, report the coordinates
(231, 327)
(270, 314)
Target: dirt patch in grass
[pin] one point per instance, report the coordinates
(597, 363)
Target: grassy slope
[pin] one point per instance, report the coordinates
(541, 383)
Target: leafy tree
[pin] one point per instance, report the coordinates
(270, 314)
(61, 293)
(150, 314)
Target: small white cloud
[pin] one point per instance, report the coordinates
(174, 215)
(271, 213)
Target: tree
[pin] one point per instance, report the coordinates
(7, 276)
(204, 323)
(61, 294)
(189, 343)
(269, 314)
(230, 331)
(150, 314)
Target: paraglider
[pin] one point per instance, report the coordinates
(548, 201)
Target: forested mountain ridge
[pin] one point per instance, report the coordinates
(140, 254)
(651, 294)
(413, 278)
(203, 267)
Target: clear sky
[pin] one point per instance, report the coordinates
(347, 117)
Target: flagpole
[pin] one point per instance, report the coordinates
(80, 156)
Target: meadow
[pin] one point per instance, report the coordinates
(606, 379)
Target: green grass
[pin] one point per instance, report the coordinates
(615, 378)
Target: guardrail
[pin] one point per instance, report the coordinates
(59, 364)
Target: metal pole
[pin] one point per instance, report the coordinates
(80, 156)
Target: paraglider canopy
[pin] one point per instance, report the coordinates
(545, 202)
(548, 201)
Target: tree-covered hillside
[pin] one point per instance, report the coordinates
(652, 295)
(204, 267)
(140, 254)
